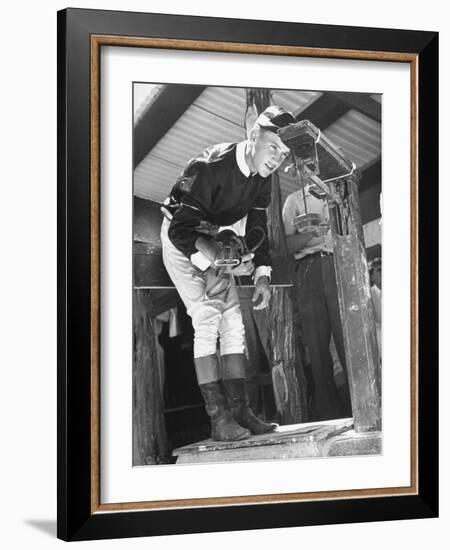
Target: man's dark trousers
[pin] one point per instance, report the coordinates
(318, 312)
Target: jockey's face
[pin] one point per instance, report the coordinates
(267, 152)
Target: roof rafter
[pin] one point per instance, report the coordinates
(323, 111)
(360, 102)
(168, 107)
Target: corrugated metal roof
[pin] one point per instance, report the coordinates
(217, 116)
(358, 135)
(227, 104)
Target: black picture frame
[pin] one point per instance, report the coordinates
(79, 517)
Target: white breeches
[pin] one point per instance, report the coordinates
(211, 318)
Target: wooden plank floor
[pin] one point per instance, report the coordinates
(291, 441)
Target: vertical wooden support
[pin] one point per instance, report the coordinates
(356, 307)
(149, 432)
(277, 331)
(287, 370)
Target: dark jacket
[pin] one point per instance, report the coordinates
(212, 188)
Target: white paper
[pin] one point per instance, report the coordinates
(120, 482)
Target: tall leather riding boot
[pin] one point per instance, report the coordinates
(233, 375)
(223, 425)
(239, 405)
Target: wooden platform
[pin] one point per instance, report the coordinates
(292, 441)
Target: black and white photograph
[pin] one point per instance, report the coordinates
(257, 274)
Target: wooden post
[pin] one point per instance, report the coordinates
(358, 324)
(287, 369)
(149, 433)
(277, 331)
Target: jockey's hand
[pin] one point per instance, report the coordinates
(262, 289)
(246, 267)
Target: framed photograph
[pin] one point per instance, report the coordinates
(230, 356)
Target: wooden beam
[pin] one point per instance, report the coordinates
(325, 110)
(361, 102)
(159, 118)
(358, 325)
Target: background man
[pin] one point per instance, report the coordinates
(317, 304)
(375, 290)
